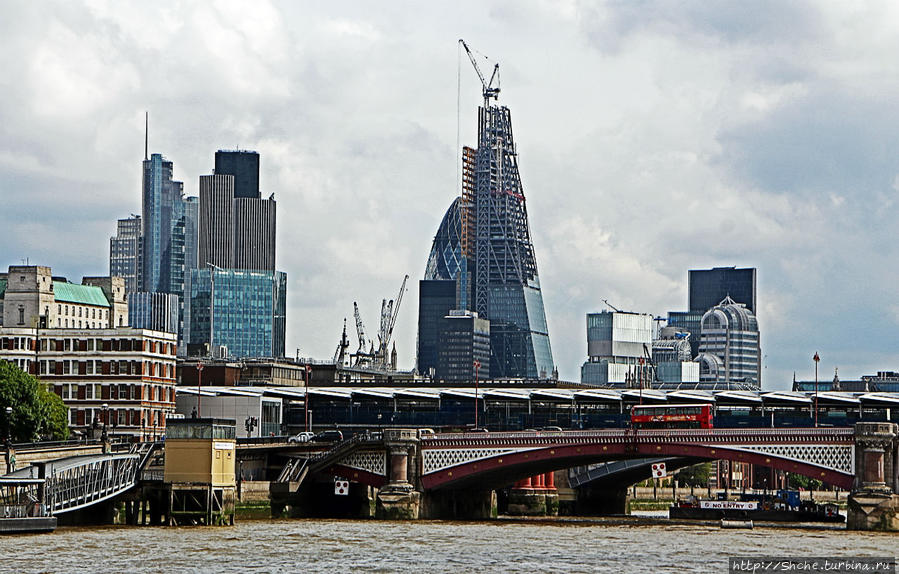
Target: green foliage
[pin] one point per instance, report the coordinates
(38, 414)
(804, 482)
(696, 475)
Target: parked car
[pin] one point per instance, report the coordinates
(425, 432)
(304, 436)
(328, 436)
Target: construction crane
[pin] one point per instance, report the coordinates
(388, 321)
(613, 307)
(360, 329)
(490, 91)
(342, 346)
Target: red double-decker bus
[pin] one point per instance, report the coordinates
(697, 416)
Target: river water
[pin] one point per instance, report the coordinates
(423, 546)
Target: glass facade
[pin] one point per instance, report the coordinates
(168, 237)
(445, 259)
(156, 311)
(244, 311)
(436, 298)
(464, 339)
(708, 287)
(483, 244)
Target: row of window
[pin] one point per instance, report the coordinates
(64, 324)
(94, 367)
(145, 418)
(96, 391)
(87, 312)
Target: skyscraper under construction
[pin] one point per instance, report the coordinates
(484, 245)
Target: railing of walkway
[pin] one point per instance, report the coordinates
(87, 482)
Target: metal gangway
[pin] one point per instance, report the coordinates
(76, 482)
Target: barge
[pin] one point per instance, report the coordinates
(784, 506)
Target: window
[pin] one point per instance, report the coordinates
(73, 416)
(65, 392)
(79, 311)
(93, 313)
(59, 309)
(21, 315)
(90, 367)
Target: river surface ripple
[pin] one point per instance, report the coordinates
(423, 546)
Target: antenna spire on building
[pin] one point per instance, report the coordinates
(146, 135)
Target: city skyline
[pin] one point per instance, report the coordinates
(653, 141)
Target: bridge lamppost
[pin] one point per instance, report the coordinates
(308, 370)
(199, 384)
(104, 436)
(816, 358)
(477, 368)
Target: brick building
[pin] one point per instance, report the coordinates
(132, 371)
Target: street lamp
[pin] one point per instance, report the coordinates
(308, 370)
(477, 367)
(816, 358)
(104, 437)
(199, 384)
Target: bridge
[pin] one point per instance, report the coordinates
(72, 483)
(408, 467)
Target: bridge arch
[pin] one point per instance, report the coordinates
(495, 461)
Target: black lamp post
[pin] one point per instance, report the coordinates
(105, 437)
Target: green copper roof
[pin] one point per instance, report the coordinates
(82, 294)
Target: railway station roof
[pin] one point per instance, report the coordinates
(725, 399)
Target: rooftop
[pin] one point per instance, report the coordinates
(82, 294)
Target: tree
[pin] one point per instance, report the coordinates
(804, 482)
(37, 414)
(696, 475)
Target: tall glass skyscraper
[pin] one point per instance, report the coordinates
(125, 253)
(484, 244)
(163, 228)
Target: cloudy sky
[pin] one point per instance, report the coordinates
(653, 138)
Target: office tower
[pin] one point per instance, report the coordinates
(436, 298)
(445, 258)
(617, 348)
(484, 244)
(125, 252)
(464, 342)
(708, 287)
(239, 306)
(235, 232)
(730, 334)
(254, 234)
(505, 287)
(163, 228)
(154, 311)
(191, 261)
(244, 166)
(238, 313)
(216, 229)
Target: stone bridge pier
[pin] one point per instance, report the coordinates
(874, 504)
(399, 499)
